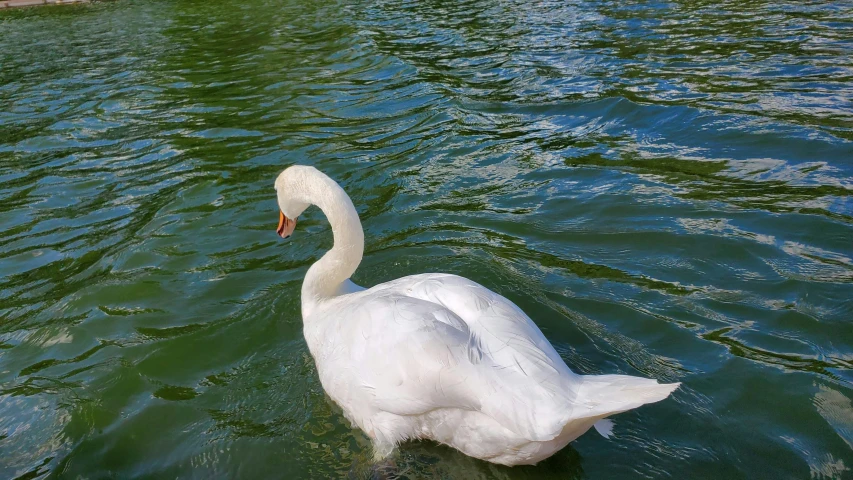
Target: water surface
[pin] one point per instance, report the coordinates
(663, 187)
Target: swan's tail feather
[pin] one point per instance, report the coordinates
(604, 427)
(606, 395)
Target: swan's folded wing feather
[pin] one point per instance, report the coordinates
(411, 355)
(507, 335)
(456, 344)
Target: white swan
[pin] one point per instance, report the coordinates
(438, 356)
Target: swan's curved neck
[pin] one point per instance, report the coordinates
(326, 277)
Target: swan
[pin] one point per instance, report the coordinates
(437, 356)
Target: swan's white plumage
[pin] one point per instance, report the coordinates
(439, 356)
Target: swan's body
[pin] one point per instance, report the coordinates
(438, 356)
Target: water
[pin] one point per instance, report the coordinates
(663, 187)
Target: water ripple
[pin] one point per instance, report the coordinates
(665, 187)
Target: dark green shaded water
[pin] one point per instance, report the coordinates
(663, 187)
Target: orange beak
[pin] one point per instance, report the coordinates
(285, 225)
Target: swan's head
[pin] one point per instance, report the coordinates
(290, 189)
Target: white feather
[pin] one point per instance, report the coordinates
(604, 428)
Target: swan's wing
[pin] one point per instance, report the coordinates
(503, 331)
(388, 352)
(518, 362)
(426, 342)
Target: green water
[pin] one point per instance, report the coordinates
(663, 187)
